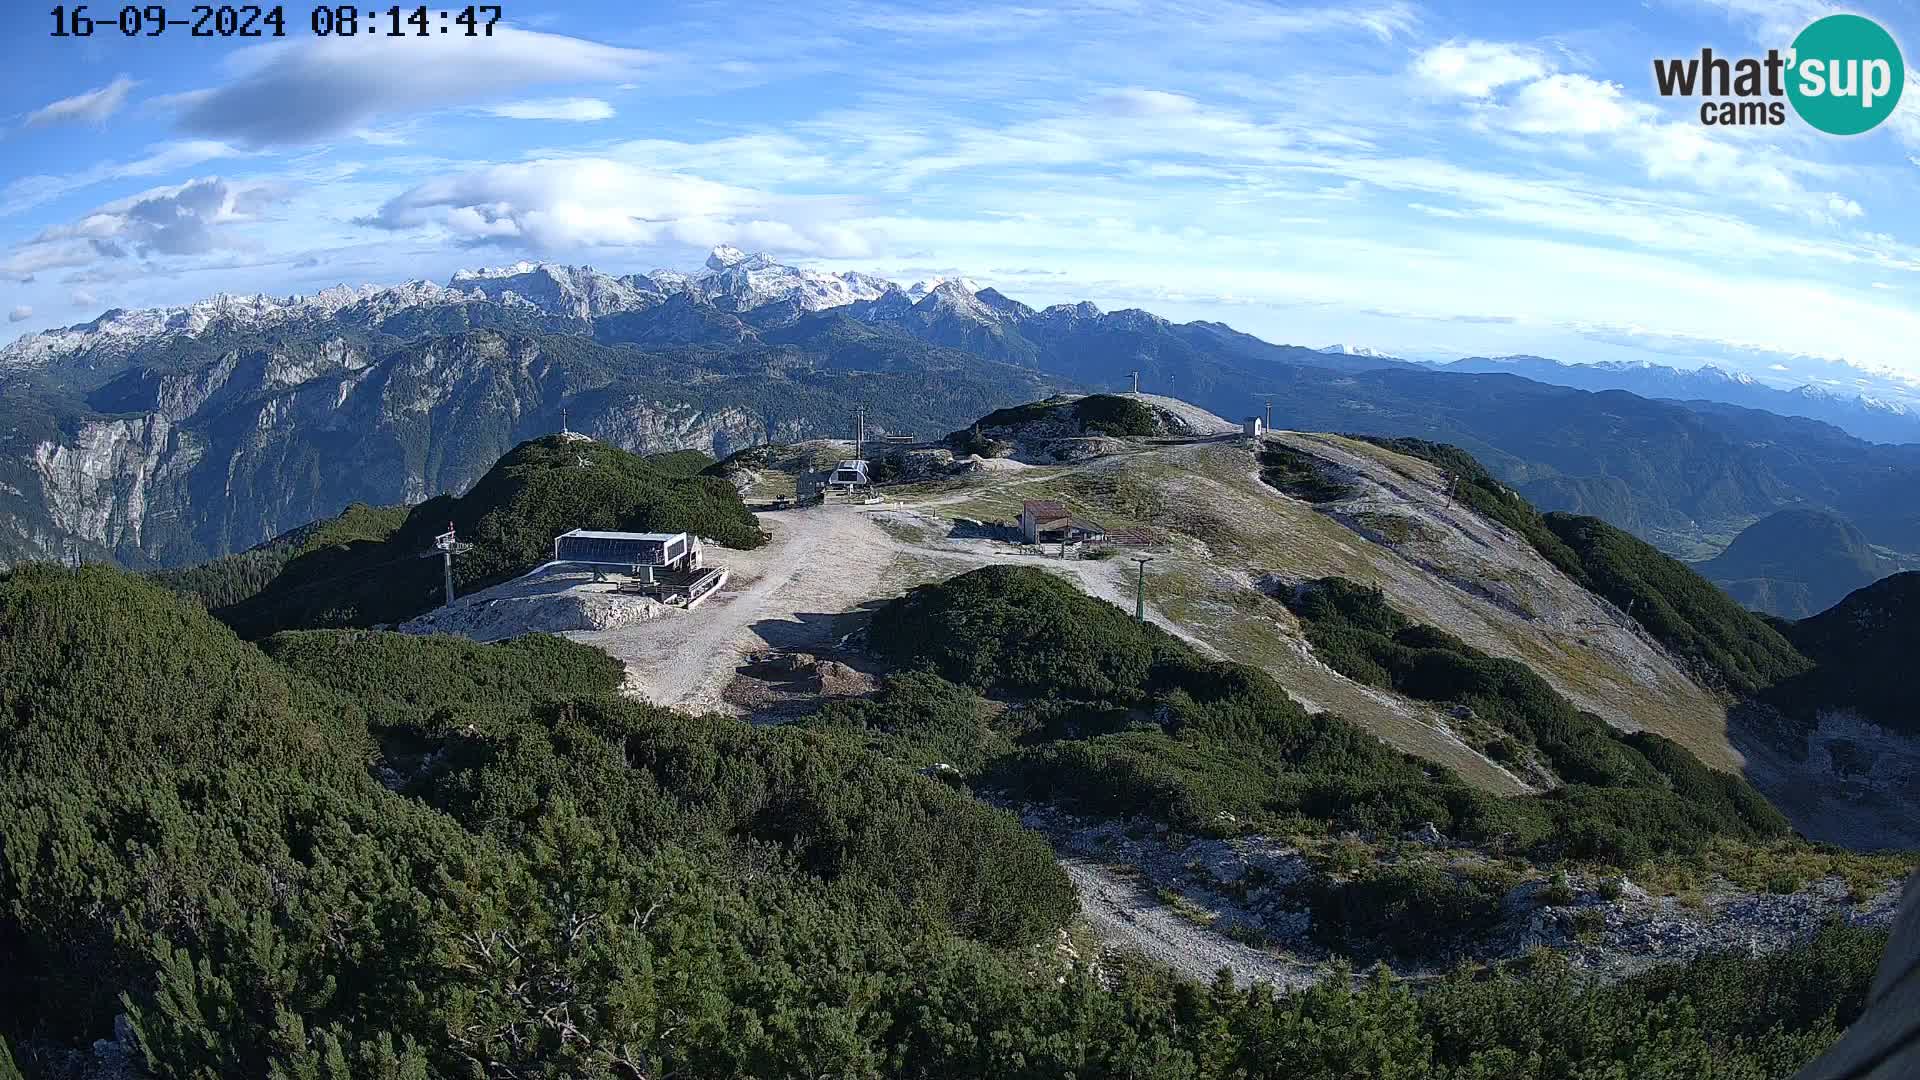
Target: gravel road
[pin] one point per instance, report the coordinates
(1129, 917)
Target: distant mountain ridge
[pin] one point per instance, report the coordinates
(732, 281)
(1866, 416)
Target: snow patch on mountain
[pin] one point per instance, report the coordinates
(1357, 350)
(122, 330)
(732, 280)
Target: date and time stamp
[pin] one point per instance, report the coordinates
(271, 21)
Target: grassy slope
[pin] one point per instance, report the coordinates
(1113, 717)
(1227, 527)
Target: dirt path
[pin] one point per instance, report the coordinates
(1129, 917)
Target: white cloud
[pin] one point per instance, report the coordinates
(20, 314)
(1773, 22)
(572, 109)
(26, 192)
(289, 92)
(1572, 105)
(1138, 102)
(92, 107)
(1476, 69)
(84, 298)
(179, 220)
(1578, 108)
(563, 204)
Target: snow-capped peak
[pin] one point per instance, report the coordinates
(951, 296)
(125, 329)
(1356, 350)
(488, 273)
(737, 281)
(920, 289)
(1816, 393)
(732, 280)
(1715, 371)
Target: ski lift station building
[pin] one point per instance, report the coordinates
(590, 547)
(849, 474)
(664, 566)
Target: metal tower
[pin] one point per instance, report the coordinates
(446, 545)
(1140, 594)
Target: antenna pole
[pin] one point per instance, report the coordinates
(860, 436)
(1136, 381)
(1269, 414)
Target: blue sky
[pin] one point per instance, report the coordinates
(1433, 180)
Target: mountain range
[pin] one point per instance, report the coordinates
(1874, 417)
(164, 437)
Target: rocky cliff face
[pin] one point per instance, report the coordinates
(222, 457)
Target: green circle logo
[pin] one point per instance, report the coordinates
(1846, 74)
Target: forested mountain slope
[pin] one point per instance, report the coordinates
(551, 881)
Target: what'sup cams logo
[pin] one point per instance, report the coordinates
(1843, 75)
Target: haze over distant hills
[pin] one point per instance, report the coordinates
(1887, 414)
(167, 436)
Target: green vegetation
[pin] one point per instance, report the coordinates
(231, 579)
(1300, 475)
(1724, 645)
(1624, 797)
(1102, 414)
(921, 720)
(1023, 414)
(1407, 911)
(189, 821)
(1110, 414)
(428, 683)
(970, 441)
(680, 462)
(364, 568)
(1393, 528)
(1861, 647)
(1116, 718)
(568, 884)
